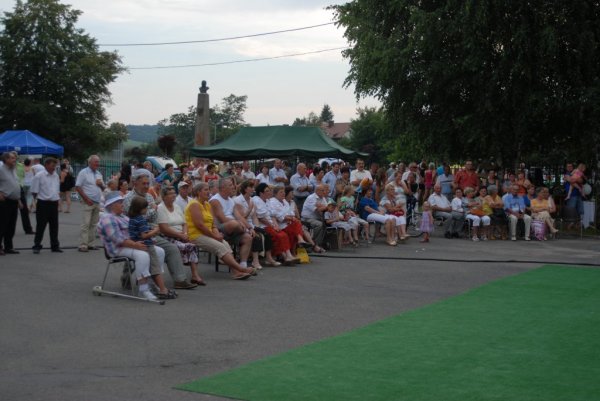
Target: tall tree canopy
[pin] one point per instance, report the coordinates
(326, 113)
(370, 134)
(467, 78)
(53, 79)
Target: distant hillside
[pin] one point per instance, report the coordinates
(143, 133)
(133, 144)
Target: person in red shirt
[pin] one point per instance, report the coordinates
(467, 177)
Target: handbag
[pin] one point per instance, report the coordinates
(302, 255)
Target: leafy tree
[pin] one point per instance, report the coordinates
(166, 143)
(139, 153)
(480, 78)
(326, 113)
(53, 79)
(228, 117)
(181, 127)
(118, 131)
(312, 120)
(370, 134)
(136, 153)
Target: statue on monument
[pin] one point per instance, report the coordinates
(202, 131)
(204, 88)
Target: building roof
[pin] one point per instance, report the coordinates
(336, 130)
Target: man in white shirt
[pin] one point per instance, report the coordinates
(182, 199)
(359, 174)
(198, 171)
(246, 172)
(277, 174)
(441, 208)
(37, 166)
(228, 217)
(45, 188)
(302, 186)
(89, 186)
(312, 212)
(412, 168)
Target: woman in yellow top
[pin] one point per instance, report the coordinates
(498, 216)
(541, 207)
(477, 215)
(202, 232)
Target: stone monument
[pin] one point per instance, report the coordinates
(202, 133)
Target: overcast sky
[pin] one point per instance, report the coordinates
(278, 90)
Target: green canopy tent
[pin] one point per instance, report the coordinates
(275, 141)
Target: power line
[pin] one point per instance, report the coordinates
(236, 61)
(215, 40)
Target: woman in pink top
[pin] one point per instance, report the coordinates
(429, 180)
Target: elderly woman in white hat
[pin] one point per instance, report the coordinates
(113, 229)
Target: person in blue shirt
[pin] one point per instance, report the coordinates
(369, 210)
(514, 206)
(574, 179)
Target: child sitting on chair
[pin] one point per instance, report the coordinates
(334, 218)
(347, 209)
(139, 230)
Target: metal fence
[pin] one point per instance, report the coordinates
(107, 168)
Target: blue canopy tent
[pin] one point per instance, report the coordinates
(28, 143)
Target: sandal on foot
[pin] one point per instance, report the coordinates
(199, 282)
(241, 276)
(169, 295)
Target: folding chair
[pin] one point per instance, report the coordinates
(234, 243)
(333, 238)
(376, 231)
(127, 277)
(365, 235)
(569, 217)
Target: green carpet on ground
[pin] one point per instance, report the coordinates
(534, 336)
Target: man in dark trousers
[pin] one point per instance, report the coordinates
(10, 192)
(45, 188)
(23, 207)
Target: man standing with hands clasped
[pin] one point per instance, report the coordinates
(45, 188)
(89, 186)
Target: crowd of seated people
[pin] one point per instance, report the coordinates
(255, 218)
(494, 208)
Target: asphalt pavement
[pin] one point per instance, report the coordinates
(60, 342)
